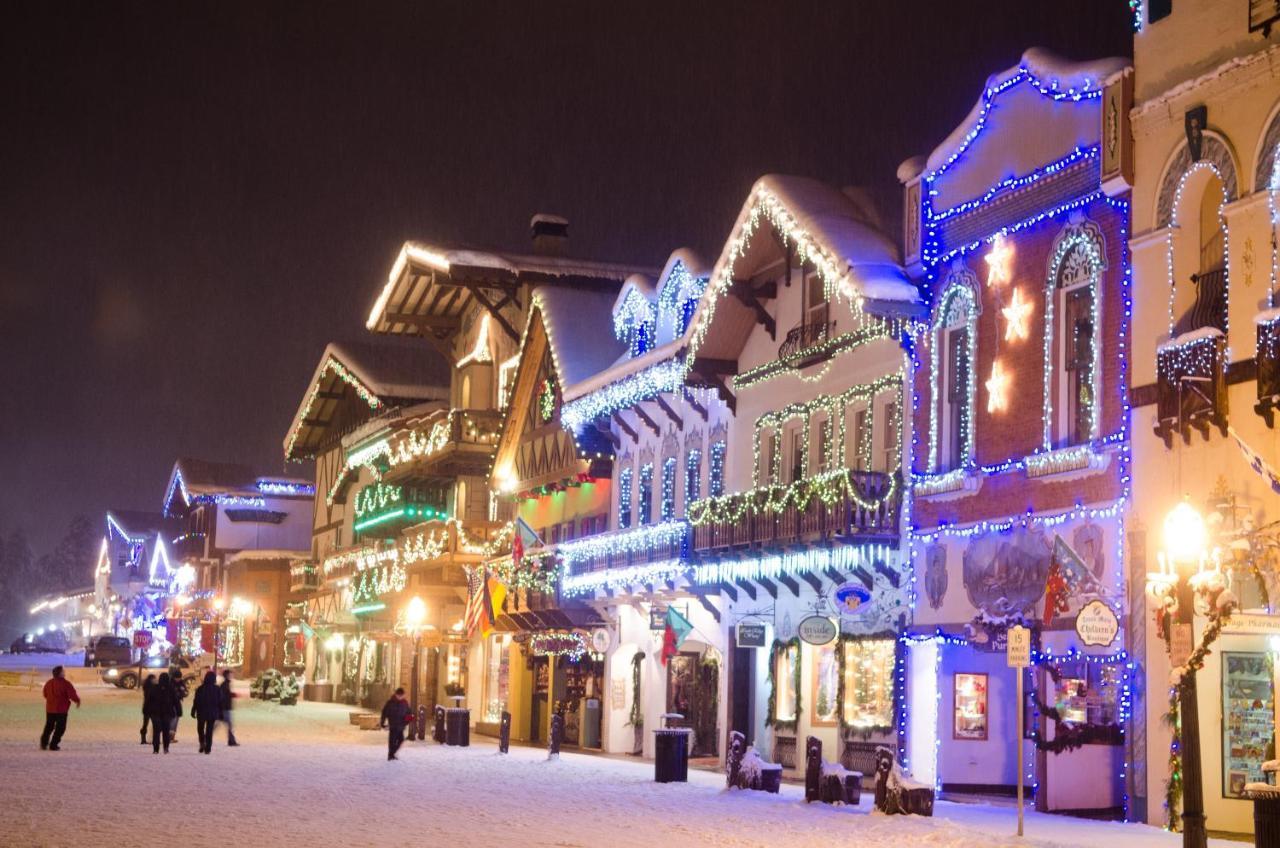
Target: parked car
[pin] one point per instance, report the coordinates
(131, 676)
(49, 642)
(108, 650)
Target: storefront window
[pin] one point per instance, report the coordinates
(1248, 725)
(496, 677)
(868, 683)
(784, 673)
(1088, 693)
(970, 706)
(826, 679)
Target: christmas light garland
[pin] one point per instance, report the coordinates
(331, 364)
(829, 487)
(649, 383)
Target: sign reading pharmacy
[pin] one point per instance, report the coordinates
(1097, 625)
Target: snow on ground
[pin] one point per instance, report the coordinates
(304, 776)
(26, 662)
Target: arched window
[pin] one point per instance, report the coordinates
(624, 498)
(715, 474)
(1073, 335)
(951, 371)
(645, 506)
(668, 505)
(692, 476)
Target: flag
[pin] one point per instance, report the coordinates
(1067, 574)
(475, 599)
(495, 592)
(1256, 462)
(677, 630)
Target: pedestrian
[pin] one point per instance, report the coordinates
(227, 697)
(206, 708)
(146, 687)
(58, 695)
(159, 704)
(395, 714)
(179, 694)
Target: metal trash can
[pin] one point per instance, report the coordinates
(591, 723)
(457, 727)
(1266, 817)
(671, 755)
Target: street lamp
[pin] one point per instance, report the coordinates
(415, 616)
(1186, 541)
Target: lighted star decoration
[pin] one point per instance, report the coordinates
(1017, 313)
(999, 262)
(997, 388)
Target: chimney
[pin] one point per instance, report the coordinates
(550, 234)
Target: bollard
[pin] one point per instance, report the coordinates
(557, 732)
(422, 722)
(438, 733)
(812, 769)
(504, 733)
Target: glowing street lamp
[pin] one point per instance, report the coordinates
(415, 617)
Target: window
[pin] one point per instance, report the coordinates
(890, 456)
(957, 398)
(1071, 392)
(715, 477)
(786, 666)
(868, 683)
(826, 680)
(692, 477)
(795, 440)
(668, 505)
(624, 499)
(1078, 361)
(815, 306)
(951, 359)
(497, 673)
(825, 431)
(859, 431)
(970, 720)
(645, 515)
(1158, 10)
(769, 446)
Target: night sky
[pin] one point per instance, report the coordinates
(195, 198)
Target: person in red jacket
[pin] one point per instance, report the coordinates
(58, 695)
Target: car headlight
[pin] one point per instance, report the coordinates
(111, 672)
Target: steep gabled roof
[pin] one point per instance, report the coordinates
(137, 524)
(379, 375)
(579, 328)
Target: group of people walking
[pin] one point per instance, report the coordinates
(162, 700)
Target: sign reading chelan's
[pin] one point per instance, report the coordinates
(1096, 624)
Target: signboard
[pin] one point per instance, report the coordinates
(852, 598)
(751, 634)
(1097, 625)
(1180, 644)
(817, 630)
(657, 617)
(1018, 646)
(618, 693)
(600, 640)
(1252, 623)
(142, 639)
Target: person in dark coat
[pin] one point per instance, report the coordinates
(146, 719)
(179, 695)
(159, 703)
(227, 698)
(395, 715)
(206, 709)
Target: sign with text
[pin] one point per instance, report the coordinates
(1180, 644)
(1097, 625)
(657, 617)
(142, 639)
(1252, 623)
(817, 630)
(751, 634)
(1018, 646)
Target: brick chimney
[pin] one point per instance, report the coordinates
(550, 234)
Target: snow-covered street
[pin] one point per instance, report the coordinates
(306, 774)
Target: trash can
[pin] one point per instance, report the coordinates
(591, 723)
(671, 755)
(457, 727)
(1266, 815)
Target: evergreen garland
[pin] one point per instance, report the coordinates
(637, 714)
(771, 719)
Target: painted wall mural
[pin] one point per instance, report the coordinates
(1005, 573)
(935, 575)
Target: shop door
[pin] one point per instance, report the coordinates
(743, 686)
(538, 708)
(691, 692)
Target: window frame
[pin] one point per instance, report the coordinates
(958, 310)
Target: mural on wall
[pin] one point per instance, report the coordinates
(1005, 573)
(1086, 541)
(935, 575)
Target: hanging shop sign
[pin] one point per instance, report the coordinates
(601, 640)
(817, 630)
(569, 644)
(1097, 625)
(750, 634)
(852, 598)
(657, 617)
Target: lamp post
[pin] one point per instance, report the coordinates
(415, 616)
(1186, 545)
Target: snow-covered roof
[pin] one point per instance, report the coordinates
(638, 283)
(1051, 70)
(579, 330)
(381, 373)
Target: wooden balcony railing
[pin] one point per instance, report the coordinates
(1191, 386)
(304, 577)
(871, 515)
(609, 557)
(801, 338)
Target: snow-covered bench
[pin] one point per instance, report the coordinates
(746, 769)
(830, 783)
(897, 793)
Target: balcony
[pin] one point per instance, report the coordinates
(1268, 363)
(795, 348)
(457, 444)
(304, 577)
(848, 506)
(1191, 386)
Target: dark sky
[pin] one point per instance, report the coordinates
(196, 197)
